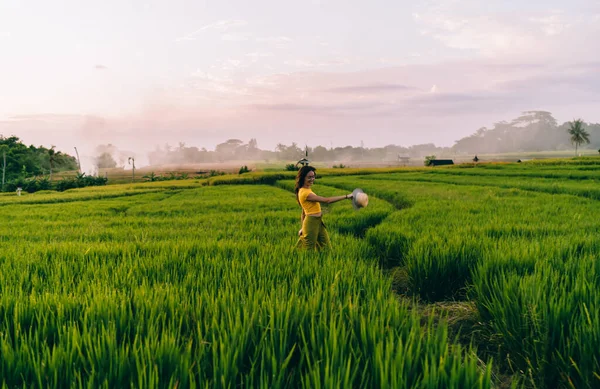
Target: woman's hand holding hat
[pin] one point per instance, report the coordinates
(359, 199)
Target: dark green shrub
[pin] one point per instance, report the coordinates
(243, 169)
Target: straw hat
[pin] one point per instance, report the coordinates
(359, 199)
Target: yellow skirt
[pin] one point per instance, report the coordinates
(314, 234)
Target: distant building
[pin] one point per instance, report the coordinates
(440, 162)
(403, 160)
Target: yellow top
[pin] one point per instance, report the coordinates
(309, 207)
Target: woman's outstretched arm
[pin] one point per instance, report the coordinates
(328, 200)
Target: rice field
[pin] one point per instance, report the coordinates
(196, 283)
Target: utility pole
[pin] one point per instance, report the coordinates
(78, 161)
(130, 160)
(362, 150)
(3, 169)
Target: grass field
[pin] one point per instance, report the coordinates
(462, 277)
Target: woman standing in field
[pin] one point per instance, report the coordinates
(313, 234)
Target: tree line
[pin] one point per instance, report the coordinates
(530, 132)
(30, 168)
(20, 161)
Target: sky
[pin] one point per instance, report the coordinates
(142, 74)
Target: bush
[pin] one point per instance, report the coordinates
(243, 169)
(440, 269)
(291, 167)
(428, 160)
(151, 177)
(214, 173)
(29, 185)
(80, 181)
(65, 184)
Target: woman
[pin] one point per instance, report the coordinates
(313, 234)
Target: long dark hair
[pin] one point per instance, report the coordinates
(300, 177)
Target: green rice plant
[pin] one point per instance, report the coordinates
(197, 283)
(202, 286)
(440, 269)
(587, 188)
(543, 313)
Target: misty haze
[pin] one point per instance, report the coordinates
(300, 194)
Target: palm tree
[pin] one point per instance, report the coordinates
(578, 134)
(130, 160)
(52, 155)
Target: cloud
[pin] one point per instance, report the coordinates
(372, 88)
(100, 67)
(566, 85)
(391, 104)
(232, 64)
(482, 88)
(552, 34)
(209, 86)
(256, 55)
(234, 37)
(306, 63)
(225, 24)
(455, 98)
(46, 117)
(552, 24)
(301, 63)
(482, 33)
(279, 42)
(221, 25)
(321, 109)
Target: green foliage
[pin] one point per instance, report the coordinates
(214, 173)
(520, 242)
(80, 181)
(578, 134)
(174, 296)
(153, 177)
(35, 184)
(532, 131)
(544, 317)
(249, 179)
(150, 177)
(23, 162)
(30, 185)
(243, 169)
(428, 160)
(126, 293)
(439, 268)
(290, 167)
(340, 166)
